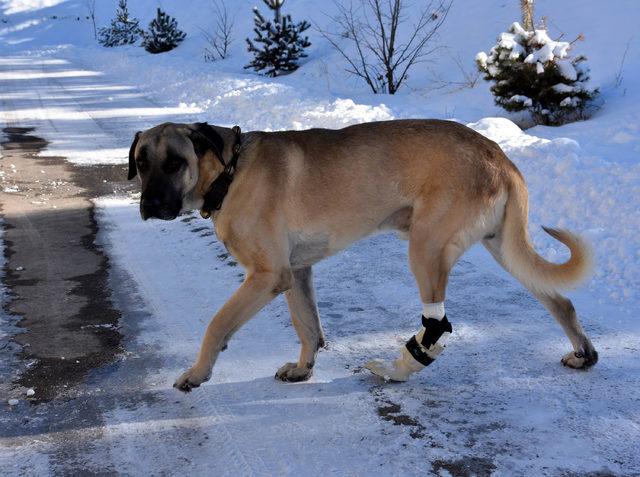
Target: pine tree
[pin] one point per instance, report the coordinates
(531, 72)
(278, 44)
(123, 30)
(163, 34)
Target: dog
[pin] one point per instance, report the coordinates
(282, 201)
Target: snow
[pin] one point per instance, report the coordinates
(519, 98)
(563, 88)
(481, 59)
(567, 70)
(561, 176)
(549, 49)
(570, 101)
(513, 406)
(509, 40)
(502, 131)
(19, 6)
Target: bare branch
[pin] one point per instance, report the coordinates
(619, 76)
(91, 9)
(352, 28)
(383, 54)
(221, 38)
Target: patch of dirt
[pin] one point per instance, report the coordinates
(392, 412)
(465, 467)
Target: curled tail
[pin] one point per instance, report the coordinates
(521, 259)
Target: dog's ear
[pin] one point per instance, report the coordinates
(133, 171)
(205, 138)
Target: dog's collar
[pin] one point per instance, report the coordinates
(219, 187)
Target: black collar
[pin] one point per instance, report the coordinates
(219, 187)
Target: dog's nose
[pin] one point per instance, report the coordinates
(159, 205)
(151, 202)
(150, 206)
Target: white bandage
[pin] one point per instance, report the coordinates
(406, 364)
(433, 310)
(398, 370)
(414, 353)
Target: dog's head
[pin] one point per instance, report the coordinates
(176, 164)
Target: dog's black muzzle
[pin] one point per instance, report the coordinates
(156, 206)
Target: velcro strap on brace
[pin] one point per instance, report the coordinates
(418, 352)
(434, 329)
(426, 351)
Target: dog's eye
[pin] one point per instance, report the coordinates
(173, 165)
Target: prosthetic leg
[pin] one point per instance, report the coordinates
(421, 350)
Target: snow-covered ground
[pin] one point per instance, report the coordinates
(494, 402)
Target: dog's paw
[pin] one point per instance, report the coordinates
(191, 378)
(292, 373)
(579, 360)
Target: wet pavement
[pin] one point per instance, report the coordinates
(65, 329)
(55, 274)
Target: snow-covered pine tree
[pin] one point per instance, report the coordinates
(531, 72)
(124, 30)
(163, 34)
(279, 44)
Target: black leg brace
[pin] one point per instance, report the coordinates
(434, 329)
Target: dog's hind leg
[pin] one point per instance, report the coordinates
(306, 321)
(584, 354)
(434, 247)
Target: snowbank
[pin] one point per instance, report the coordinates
(572, 189)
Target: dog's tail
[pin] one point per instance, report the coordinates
(521, 259)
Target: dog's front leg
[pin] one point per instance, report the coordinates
(256, 291)
(304, 315)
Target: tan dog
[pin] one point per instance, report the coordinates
(300, 196)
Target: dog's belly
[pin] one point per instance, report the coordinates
(305, 250)
(309, 248)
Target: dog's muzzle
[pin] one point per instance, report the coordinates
(154, 207)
